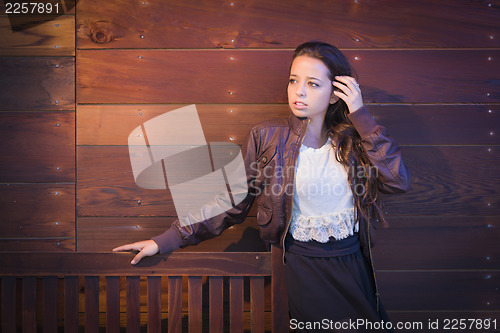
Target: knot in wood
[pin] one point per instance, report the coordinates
(101, 33)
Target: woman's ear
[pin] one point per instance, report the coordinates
(334, 98)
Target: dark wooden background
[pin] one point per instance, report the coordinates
(72, 89)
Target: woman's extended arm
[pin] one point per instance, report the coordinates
(184, 234)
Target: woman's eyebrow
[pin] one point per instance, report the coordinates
(308, 77)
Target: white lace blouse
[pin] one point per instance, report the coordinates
(323, 204)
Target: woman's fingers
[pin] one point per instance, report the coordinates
(349, 92)
(146, 248)
(149, 248)
(349, 81)
(126, 247)
(138, 258)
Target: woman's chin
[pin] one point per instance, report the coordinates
(299, 113)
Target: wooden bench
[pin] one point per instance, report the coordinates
(32, 282)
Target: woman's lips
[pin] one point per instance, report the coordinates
(299, 105)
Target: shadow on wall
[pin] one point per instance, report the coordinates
(441, 223)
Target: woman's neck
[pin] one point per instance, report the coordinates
(316, 135)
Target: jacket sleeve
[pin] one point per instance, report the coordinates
(179, 235)
(382, 151)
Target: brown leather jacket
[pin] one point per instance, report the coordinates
(270, 154)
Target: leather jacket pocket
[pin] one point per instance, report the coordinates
(266, 156)
(264, 215)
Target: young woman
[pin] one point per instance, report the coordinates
(317, 177)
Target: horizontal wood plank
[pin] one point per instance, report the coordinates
(450, 242)
(37, 210)
(440, 124)
(96, 124)
(449, 180)
(443, 124)
(37, 83)
(228, 76)
(439, 290)
(240, 24)
(438, 242)
(118, 264)
(37, 244)
(37, 146)
(104, 189)
(52, 38)
(97, 234)
(446, 180)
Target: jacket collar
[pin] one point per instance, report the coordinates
(297, 124)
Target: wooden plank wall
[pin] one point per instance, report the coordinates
(37, 132)
(429, 71)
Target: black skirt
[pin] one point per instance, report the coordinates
(331, 288)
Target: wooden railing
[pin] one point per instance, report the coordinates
(30, 291)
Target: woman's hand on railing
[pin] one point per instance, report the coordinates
(146, 248)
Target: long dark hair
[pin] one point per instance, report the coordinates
(361, 173)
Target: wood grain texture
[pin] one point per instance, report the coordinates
(118, 264)
(133, 304)
(50, 303)
(451, 242)
(37, 210)
(450, 180)
(257, 300)
(446, 180)
(236, 298)
(37, 146)
(195, 319)
(440, 124)
(37, 83)
(92, 303)
(407, 124)
(439, 290)
(216, 305)
(29, 304)
(279, 24)
(112, 303)
(37, 244)
(154, 304)
(96, 124)
(187, 76)
(9, 304)
(175, 303)
(52, 38)
(103, 188)
(71, 304)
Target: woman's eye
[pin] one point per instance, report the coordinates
(292, 81)
(313, 84)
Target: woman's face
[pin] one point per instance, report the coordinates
(310, 91)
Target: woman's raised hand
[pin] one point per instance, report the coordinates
(146, 248)
(349, 92)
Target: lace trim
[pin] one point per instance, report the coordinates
(338, 225)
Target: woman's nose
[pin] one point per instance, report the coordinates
(300, 91)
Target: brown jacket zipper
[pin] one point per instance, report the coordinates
(293, 186)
